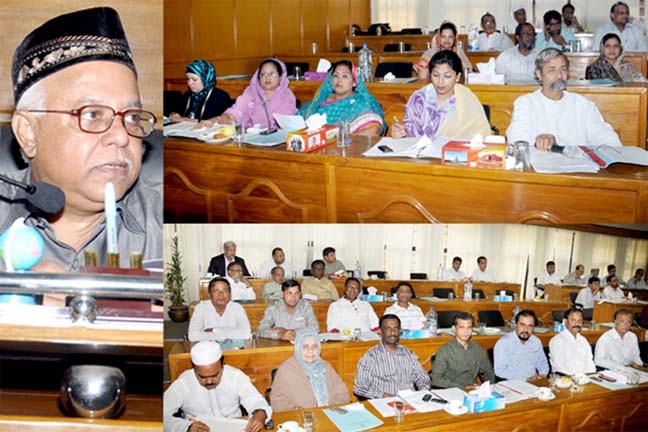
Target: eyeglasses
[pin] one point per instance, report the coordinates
(268, 74)
(529, 33)
(98, 119)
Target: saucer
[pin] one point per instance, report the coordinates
(544, 399)
(280, 428)
(463, 410)
(564, 382)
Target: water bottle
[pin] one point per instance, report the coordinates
(431, 321)
(467, 290)
(364, 63)
(440, 272)
(357, 271)
(473, 38)
(516, 311)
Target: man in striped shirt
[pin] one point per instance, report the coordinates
(388, 367)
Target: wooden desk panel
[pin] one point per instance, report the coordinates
(604, 312)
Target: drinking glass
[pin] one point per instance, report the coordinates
(344, 137)
(553, 380)
(356, 334)
(308, 420)
(399, 412)
(450, 296)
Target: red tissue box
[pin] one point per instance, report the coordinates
(460, 153)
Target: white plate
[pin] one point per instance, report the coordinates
(208, 138)
(492, 330)
(563, 384)
(587, 380)
(551, 397)
(462, 411)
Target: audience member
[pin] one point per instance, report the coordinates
(278, 259)
(272, 289)
(637, 281)
(388, 367)
(212, 388)
(612, 291)
(618, 346)
(570, 353)
(283, 318)
(552, 116)
(611, 64)
(305, 380)
(519, 355)
(333, 265)
(632, 37)
(588, 295)
(344, 97)
(218, 264)
(443, 107)
(410, 315)
(219, 318)
(570, 22)
(554, 35)
(577, 277)
(519, 14)
(349, 312)
(453, 273)
(459, 362)
(518, 63)
(611, 269)
(318, 285)
(444, 39)
(241, 289)
(549, 276)
(97, 140)
(481, 274)
(595, 271)
(267, 94)
(491, 39)
(203, 100)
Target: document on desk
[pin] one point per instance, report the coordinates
(385, 406)
(185, 130)
(593, 159)
(290, 122)
(515, 390)
(411, 147)
(355, 419)
(415, 398)
(224, 425)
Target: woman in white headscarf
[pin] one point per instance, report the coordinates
(305, 380)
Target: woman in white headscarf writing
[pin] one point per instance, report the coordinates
(305, 380)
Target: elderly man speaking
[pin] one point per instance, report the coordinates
(79, 123)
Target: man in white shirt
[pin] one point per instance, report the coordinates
(549, 277)
(453, 273)
(481, 274)
(551, 116)
(278, 259)
(518, 63)
(410, 315)
(611, 269)
(637, 281)
(519, 16)
(569, 351)
(570, 22)
(554, 35)
(618, 346)
(612, 291)
(491, 39)
(241, 289)
(576, 277)
(349, 312)
(588, 295)
(632, 37)
(219, 318)
(210, 389)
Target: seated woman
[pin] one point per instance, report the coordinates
(203, 100)
(443, 107)
(267, 94)
(305, 380)
(611, 63)
(411, 316)
(343, 97)
(445, 39)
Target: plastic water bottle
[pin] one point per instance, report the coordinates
(364, 63)
(431, 321)
(516, 311)
(467, 290)
(473, 38)
(440, 272)
(357, 271)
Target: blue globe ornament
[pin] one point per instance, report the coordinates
(27, 247)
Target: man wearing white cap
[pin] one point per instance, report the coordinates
(212, 389)
(519, 16)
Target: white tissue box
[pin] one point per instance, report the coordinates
(476, 404)
(478, 78)
(304, 141)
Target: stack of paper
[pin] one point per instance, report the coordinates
(186, 130)
(412, 147)
(515, 390)
(415, 398)
(353, 418)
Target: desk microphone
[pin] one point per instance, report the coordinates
(45, 197)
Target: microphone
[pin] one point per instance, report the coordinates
(45, 197)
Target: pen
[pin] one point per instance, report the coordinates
(396, 120)
(110, 211)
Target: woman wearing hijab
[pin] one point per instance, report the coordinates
(305, 380)
(445, 39)
(203, 100)
(267, 94)
(611, 64)
(343, 97)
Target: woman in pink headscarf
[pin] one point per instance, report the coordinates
(268, 93)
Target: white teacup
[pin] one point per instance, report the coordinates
(455, 405)
(289, 426)
(543, 392)
(580, 379)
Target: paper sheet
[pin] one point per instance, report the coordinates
(224, 425)
(354, 420)
(290, 122)
(185, 129)
(415, 398)
(412, 147)
(515, 390)
(385, 406)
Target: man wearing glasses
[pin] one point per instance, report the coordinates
(554, 35)
(518, 63)
(79, 123)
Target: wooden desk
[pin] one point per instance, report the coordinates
(561, 292)
(230, 183)
(604, 312)
(593, 408)
(624, 106)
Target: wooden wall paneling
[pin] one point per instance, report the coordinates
(339, 23)
(178, 36)
(315, 21)
(286, 26)
(213, 30)
(252, 31)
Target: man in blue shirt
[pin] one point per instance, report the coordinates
(519, 354)
(553, 34)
